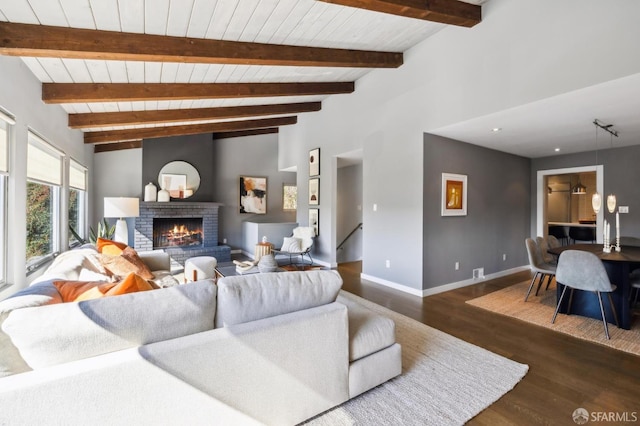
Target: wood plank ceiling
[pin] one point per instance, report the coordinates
(125, 70)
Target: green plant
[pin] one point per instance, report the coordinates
(104, 231)
(76, 235)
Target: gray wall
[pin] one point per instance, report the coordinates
(249, 156)
(498, 213)
(621, 176)
(349, 212)
(196, 150)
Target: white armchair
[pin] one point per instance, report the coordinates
(299, 244)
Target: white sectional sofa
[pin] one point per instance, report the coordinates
(274, 348)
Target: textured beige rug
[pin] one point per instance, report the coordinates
(445, 381)
(539, 310)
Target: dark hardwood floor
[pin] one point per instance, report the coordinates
(565, 373)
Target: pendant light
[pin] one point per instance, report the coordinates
(611, 199)
(596, 200)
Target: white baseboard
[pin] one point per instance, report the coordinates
(444, 287)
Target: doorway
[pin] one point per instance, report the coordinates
(349, 226)
(577, 208)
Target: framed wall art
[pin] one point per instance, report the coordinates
(314, 162)
(454, 194)
(314, 192)
(289, 197)
(253, 195)
(314, 220)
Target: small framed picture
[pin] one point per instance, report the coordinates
(454, 195)
(314, 162)
(314, 192)
(253, 195)
(314, 220)
(289, 197)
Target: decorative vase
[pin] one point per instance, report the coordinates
(150, 192)
(267, 263)
(163, 196)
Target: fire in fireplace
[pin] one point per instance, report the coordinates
(177, 232)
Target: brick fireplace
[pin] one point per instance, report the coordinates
(205, 213)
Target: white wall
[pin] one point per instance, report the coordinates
(20, 95)
(523, 51)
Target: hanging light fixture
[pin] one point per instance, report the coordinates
(611, 199)
(579, 188)
(596, 200)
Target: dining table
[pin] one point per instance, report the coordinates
(618, 266)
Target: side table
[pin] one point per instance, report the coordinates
(261, 250)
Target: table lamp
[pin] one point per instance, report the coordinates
(121, 207)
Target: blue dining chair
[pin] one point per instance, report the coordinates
(582, 270)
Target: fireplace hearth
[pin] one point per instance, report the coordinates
(198, 238)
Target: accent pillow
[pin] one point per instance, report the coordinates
(109, 247)
(132, 284)
(292, 245)
(76, 291)
(126, 263)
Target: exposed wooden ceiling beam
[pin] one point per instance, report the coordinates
(61, 42)
(59, 93)
(450, 12)
(129, 118)
(158, 132)
(226, 135)
(106, 147)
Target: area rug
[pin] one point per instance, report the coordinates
(444, 381)
(539, 310)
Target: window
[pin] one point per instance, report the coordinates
(5, 127)
(77, 203)
(44, 179)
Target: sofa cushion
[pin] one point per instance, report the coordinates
(69, 265)
(247, 298)
(53, 334)
(368, 331)
(36, 295)
(77, 291)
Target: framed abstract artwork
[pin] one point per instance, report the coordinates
(454, 195)
(253, 195)
(289, 197)
(314, 162)
(314, 192)
(314, 220)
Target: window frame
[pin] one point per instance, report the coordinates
(6, 122)
(81, 201)
(38, 142)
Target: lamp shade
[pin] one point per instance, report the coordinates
(596, 202)
(121, 207)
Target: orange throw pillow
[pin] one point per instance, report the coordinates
(76, 291)
(133, 283)
(109, 247)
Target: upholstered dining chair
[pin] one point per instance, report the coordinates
(299, 244)
(544, 244)
(582, 270)
(539, 267)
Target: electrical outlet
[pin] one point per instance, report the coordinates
(387, 263)
(504, 257)
(457, 266)
(224, 241)
(623, 209)
(375, 207)
(478, 273)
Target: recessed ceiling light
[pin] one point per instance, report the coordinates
(496, 129)
(557, 150)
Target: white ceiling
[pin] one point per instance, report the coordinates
(565, 122)
(533, 130)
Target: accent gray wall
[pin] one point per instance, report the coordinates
(498, 212)
(621, 176)
(196, 150)
(248, 156)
